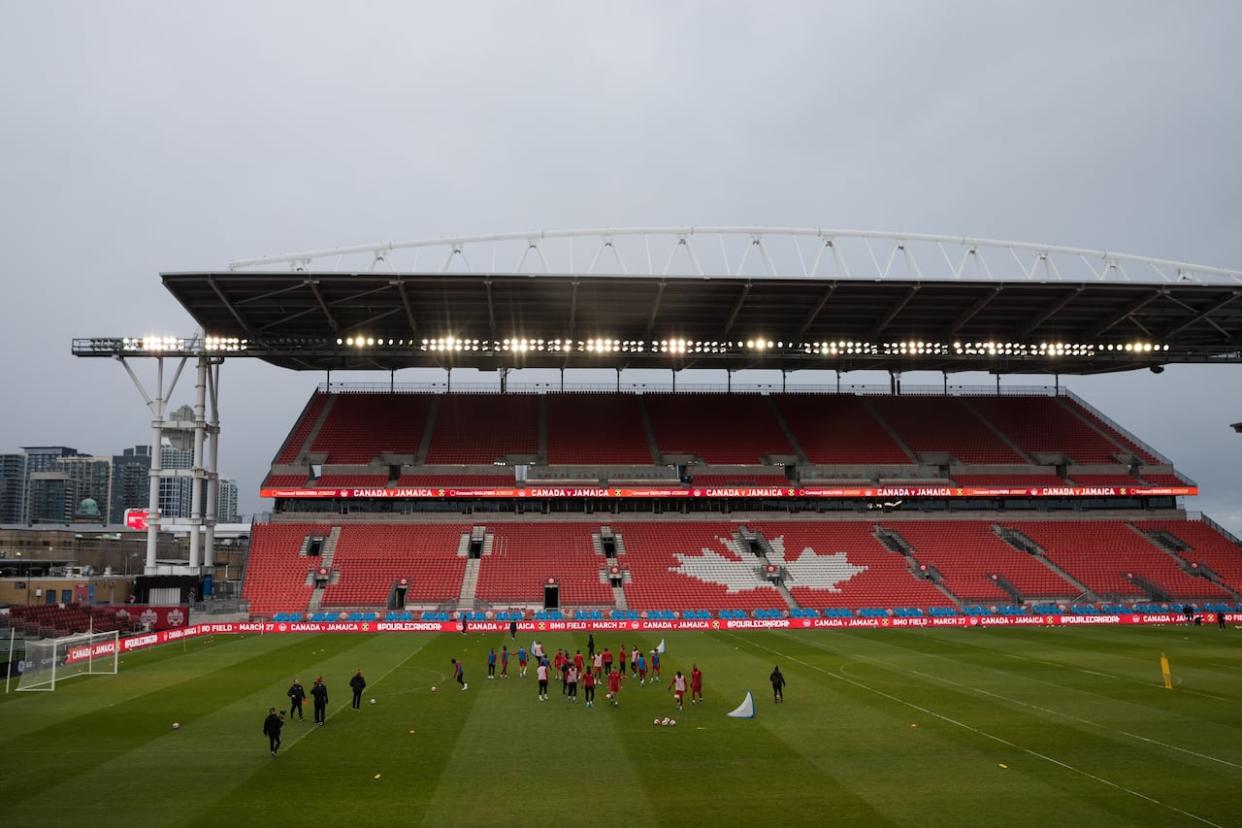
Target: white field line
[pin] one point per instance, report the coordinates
(1072, 718)
(984, 734)
(1063, 666)
(885, 665)
(370, 685)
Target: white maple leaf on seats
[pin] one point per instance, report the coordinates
(714, 568)
(812, 571)
(809, 570)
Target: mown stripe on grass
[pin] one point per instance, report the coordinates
(328, 773)
(1151, 705)
(732, 772)
(130, 725)
(541, 761)
(1021, 738)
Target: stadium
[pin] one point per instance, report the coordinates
(647, 439)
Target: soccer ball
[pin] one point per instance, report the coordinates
(176, 725)
(433, 688)
(666, 722)
(656, 723)
(372, 701)
(672, 723)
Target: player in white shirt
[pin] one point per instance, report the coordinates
(679, 688)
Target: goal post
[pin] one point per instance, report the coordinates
(54, 660)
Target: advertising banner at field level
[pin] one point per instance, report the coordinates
(138, 642)
(833, 492)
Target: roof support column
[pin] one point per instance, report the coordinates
(213, 473)
(196, 467)
(157, 435)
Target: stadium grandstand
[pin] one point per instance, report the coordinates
(672, 498)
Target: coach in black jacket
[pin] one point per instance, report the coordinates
(319, 693)
(271, 729)
(296, 696)
(357, 684)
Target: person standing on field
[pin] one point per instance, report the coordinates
(521, 662)
(491, 663)
(597, 665)
(588, 688)
(541, 673)
(504, 661)
(319, 693)
(696, 685)
(614, 687)
(296, 696)
(271, 729)
(357, 684)
(778, 685)
(678, 684)
(591, 645)
(459, 673)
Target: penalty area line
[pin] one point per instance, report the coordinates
(990, 736)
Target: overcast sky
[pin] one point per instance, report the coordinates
(140, 137)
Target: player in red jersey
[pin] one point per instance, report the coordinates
(614, 687)
(588, 688)
(504, 661)
(696, 685)
(679, 688)
(623, 657)
(607, 660)
(579, 661)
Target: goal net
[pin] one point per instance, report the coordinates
(53, 660)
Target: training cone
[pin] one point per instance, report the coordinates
(745, 710)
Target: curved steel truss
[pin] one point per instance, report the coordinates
(787, 252)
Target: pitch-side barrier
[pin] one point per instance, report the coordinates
(143, 641)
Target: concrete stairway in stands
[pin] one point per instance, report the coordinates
(1000, 435)
(788, 432)
(428, 429)
(656, 457)
(314, 432)
(894, 542)
(469, 583)
(888, 429)
(763, 547)
(542, 439)
(325, 562)
(1022, 543)
(1163, 542)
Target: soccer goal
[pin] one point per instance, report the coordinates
(53, 660)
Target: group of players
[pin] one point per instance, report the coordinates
(589, 671)
(597, 666)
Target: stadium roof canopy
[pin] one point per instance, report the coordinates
(671, 299)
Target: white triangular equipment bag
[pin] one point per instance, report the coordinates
(745, 710)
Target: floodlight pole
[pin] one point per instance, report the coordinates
(213, 455)
(157, 405)
(196, 486)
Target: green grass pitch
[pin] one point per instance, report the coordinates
(931, 727)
